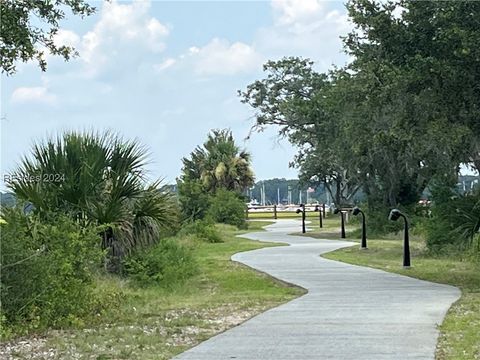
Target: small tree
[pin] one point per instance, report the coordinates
(218, 164)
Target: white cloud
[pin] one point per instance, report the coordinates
(306, 16)
(66, 38)
(307, 28)
(194, 50)
(38, 94)
(164, 65)
(288, 12)
(123, 36)
(219, 57)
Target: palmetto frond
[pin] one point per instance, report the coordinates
(219, 163)
(469, 227)
(101, 180)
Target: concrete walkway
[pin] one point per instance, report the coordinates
(350, 312)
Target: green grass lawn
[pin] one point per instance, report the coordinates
(460, 331)
(155, 323)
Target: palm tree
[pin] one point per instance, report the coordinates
(218, 164)
(99, 179)
(223, 164)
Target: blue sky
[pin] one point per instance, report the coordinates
(166, 73)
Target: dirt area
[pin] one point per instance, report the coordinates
(212, 321)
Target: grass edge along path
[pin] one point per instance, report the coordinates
(157, 323)
(460, 331)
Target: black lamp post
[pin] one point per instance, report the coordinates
(355, 212)
(339, 211)
(319, 209)
(302, 210)
(395, 214)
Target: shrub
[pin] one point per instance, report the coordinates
(47, 268)
(202, 230)
(455, 221)
(98, 178)
(166, 264)
(193, 199)
(378, 223)
(227, 207)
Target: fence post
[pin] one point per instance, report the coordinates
(275, 212)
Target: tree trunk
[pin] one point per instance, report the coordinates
(338, 193)
(475, 158)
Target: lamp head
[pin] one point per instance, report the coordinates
(336, 211)
(394, 215)
(356, 210)
(299, 211)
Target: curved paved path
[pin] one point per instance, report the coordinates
(350, 312)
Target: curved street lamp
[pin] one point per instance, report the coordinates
(302, 210)
(319, 209)
(395, 214)
(356, 210)
(339, 211)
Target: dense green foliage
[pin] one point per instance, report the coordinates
(227, 207)
(455, 221)
(97, 179)
(343, 144)
(306, 106)
(165, 264)
(193, 198)
(28, 26)
(401, 116)
(217, 165)
(46, 267)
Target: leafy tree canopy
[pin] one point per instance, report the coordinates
(28, 29)
(404, 111)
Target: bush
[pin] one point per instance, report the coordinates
(455, 221)
(227, 207)
(378, 223)
(99, 179)
(47, 268)
(202, 230)
(193, 199)
(166, 264)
